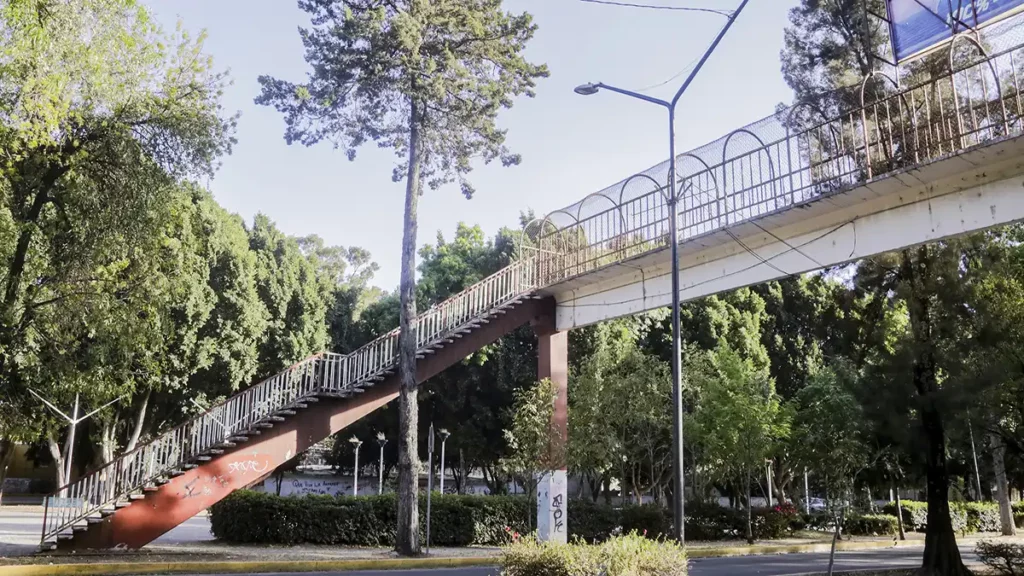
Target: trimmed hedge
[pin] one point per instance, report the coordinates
(255, 517)
(260, 518)
(872, 525)
(967, 517)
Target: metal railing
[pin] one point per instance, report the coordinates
(792, 157)
(322, 373)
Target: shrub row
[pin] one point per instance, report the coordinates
(967, 517)
(630, 555)
(872, 525)
(257, 517)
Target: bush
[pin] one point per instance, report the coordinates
(819, 521)
(982, 517)
(650, 520)
(255, 517)
(1004, 559)
(915, 514)
(709, 521)
(771, 523)
(592, 522)
(630, 555)
(871, 525)
(1018, 519)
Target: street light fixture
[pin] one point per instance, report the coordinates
(589, 89)
(381, 440)
(355, 442)
(444, 434)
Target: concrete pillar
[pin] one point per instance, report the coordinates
(553, 364)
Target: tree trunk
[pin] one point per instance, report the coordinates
(463, 479)
(835, 538)
(6, 455)
(108, 442)
(750, 514)
(58, 459)
(408, 536)
(899, 515)
(139, 420)
(1002, 486)
(941, 555)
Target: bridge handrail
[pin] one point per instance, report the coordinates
(324, 372)
(970, 104)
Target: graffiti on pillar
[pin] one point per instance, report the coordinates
(256, 464)
(558, 514)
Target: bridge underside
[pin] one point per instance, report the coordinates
(966, 192)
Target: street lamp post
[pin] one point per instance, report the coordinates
(381, 440)
(444, 434)
(678, 483)
(356, 443)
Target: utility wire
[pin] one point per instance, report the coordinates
(726, 13)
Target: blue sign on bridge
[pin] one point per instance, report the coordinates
(918, 25)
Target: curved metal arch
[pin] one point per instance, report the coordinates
(816, 108)
(618, 206)
(864, 113)
(995, 77)
(790, 136)
(523, 234)
(657, 185)
(725, 151)
(707, 168)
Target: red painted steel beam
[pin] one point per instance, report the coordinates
(185, 496)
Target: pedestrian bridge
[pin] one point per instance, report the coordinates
(794, 192)
(806, 188)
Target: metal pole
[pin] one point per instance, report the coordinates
(380, 472)
(355, 481)
(430, 477)
(443, 442)
(768, 476)
(974, 453)
(807, 493)
(678, 482)
(71, 442)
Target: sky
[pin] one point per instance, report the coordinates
(571, 145)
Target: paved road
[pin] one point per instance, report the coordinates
(20, 527)
(781, 565)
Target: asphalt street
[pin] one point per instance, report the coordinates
(781, 565)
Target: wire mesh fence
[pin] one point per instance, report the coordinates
(794, 156)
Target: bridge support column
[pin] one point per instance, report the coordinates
(553, 364)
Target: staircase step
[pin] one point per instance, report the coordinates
(64, 537)
(161, 481)
(190, 466)
(175, 473)
(134, 497)
(122, 504)
(228, 444)
(276, 418)
(285, 413)
(311, 400)
(79, 528)
(300, 406)
(204, 458)
(264, 425)
(106, 512)
(215, 451)
(150, 489)
(94, 520)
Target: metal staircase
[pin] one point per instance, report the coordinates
(85, 504)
